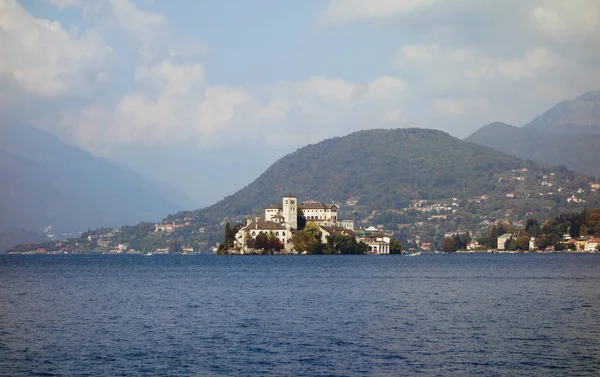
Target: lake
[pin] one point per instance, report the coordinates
(207, 315)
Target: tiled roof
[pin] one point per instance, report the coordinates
(275, 206)
(264, 225)
(337, 229)
(316, 206)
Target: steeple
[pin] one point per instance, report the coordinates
(290, 210)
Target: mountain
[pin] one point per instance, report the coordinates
(11, 237)
(578, 116)
(386, 171)
(578, 152)
(46, 182)
(199, 172)
(414, 182)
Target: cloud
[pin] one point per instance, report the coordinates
(179, 107)
(148, 30)
(40, 57)
(483, 61)
(339, 11)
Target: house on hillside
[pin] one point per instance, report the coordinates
(592, 245)
(474, 245)
(502, 241)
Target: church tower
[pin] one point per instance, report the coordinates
(290, 210)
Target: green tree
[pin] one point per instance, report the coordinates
(273, 243)
(449, 245)
(523, 243)
(300, 219)
(261, 241)
(395, 246)
(307, 240)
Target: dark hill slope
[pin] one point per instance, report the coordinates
(386, 169)
(580, 153)
(578, 116)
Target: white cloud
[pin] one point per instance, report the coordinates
(182, 108)
(42, 58)
(148, 30)
(340, 11)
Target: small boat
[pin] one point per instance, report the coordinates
(148, 254)
(416, 253)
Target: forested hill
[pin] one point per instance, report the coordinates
(387, 169)
(413, 182)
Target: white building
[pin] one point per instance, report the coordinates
(502, 241)
(378, 242)
(256, 226)
(282, 219)
(318, 213)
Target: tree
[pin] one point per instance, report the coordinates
(449, 245)
(261, 241)
(343, 244)
(523, 243)
(532, 227)
(273, 243)
(395, 246)
(307, 240)
(300, 219)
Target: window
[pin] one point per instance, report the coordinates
(253, 234)
(277, 233)
(283, 234)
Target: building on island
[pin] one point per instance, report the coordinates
(318, 213)
(377, 241)
(281, 220)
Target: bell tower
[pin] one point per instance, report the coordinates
(290, 210)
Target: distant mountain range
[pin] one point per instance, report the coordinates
(46, 182)
(414, 182)
(567, 134)
(578, 116)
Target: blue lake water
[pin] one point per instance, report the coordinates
(206, 315)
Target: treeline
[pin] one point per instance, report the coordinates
(551, 232)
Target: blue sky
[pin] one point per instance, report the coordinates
(269, 76)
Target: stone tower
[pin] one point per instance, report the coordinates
(290, 210)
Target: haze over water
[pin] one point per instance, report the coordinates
(322, 315)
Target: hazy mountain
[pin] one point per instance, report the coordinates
(11, 237)
(580, 153)
(204, 174)
(578, 116)
(45, 181)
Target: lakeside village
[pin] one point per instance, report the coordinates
(311, 227)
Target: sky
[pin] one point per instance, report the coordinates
(138, 81)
